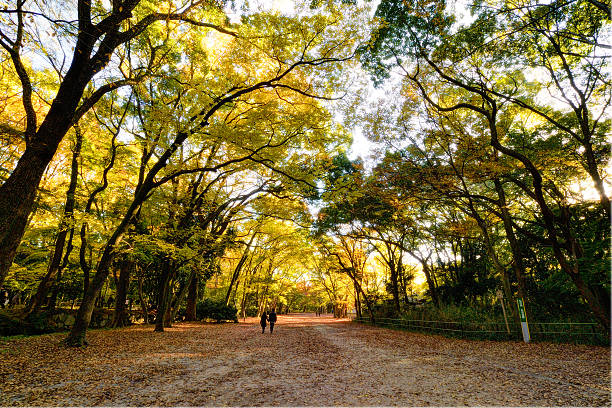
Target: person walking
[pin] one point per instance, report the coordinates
(272, 320)
(262, 322)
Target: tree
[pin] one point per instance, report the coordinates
(483, 83)
(101, 31)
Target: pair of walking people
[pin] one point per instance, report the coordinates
(269, 317)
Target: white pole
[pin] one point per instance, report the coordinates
(523, 316)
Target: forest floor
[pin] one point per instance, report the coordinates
(307, 361)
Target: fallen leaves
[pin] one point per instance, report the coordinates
(307, 361)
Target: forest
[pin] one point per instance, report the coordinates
(179, 160)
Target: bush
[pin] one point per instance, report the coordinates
(216, 310)
(13, 324)
(10, 325)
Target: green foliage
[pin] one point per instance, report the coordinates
(406, 29)
(216, 310)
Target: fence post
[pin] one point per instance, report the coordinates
(500, 296)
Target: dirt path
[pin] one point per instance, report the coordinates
(308, 361)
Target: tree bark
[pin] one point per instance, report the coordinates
(192, 299)
(120, 315)
(517, 256)
(241, 262)
(56, 287)
(164, 296)
(143, 303)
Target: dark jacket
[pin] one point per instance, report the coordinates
(272, 317)
(262, 321)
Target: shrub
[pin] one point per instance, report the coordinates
(12, 324)
(216, 310)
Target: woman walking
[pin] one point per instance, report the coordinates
(262, 322)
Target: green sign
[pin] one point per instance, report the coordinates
(521, 308)
(523, 316)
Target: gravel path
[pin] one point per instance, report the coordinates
(308, 361)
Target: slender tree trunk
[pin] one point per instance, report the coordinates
(368, 302)
(39, 299)
(430, 283)
(192, 299)
(395, 287)
(241, 262)
(120, 315)
(56, 287)
(143, 303)
(357, 303)
(600, 307)
(517, 256)
(181, 297)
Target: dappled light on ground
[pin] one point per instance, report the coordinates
(307, 361)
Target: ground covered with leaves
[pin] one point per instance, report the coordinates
(306, 361)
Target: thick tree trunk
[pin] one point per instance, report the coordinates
(17, 196)
(18, 192)
(163, 296)
(83, 317)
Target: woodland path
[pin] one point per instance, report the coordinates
(308, 361)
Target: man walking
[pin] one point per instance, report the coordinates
(272, 320)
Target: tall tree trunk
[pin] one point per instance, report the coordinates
(368, 302)
(18, 192)
(241, 262)
(433, 290)
(39, 299)
(404, 282)
(56, 287)
(120, 315)
(164, 296)
(143, 303)
(181, 296)
(357, 303)
(394, 286)
(517, 255)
